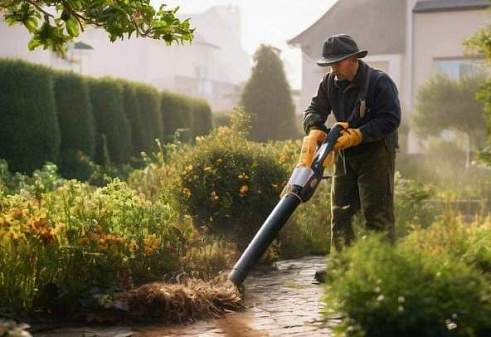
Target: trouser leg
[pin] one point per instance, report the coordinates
(376, 189)
(345, 202)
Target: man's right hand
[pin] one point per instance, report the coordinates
(318, 135)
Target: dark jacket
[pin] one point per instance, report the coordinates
(383, 113)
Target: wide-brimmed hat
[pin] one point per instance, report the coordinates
(339, 47)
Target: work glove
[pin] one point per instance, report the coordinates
(309, 146)
(318, 135)
(349, 137)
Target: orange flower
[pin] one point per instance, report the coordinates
(83, 241)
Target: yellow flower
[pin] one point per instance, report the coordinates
(151, 244)
(214, 196)
(132, 246)
(187, 192)
(243, 190)
(207, 169)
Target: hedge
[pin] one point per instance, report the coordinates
(135, 117)
(201, 122)
(45, 113)
(76, 121)
(29, 131)
(176, 113)
(111, 122)
(149, 104)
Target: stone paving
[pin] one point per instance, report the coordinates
(283, 302)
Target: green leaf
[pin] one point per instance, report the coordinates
(34, 43)
(31, 24)
(72, 27)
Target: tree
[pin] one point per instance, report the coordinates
(481, 43)
(267, 97)
(54, 23)
(446, 104)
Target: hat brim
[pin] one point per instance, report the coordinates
(324, 62)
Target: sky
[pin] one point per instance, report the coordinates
(268, 21)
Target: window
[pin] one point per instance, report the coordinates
(458, 68)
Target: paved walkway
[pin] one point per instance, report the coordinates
(279, 303)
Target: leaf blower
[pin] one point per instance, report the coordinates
(301, 186)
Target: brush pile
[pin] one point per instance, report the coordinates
(181, 302)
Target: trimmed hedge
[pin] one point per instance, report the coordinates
(111, 122)
(201, 122)
(44, 112)
(29, 131)
(149, 104)
(176, 113)
(76, 121)
(135, 117)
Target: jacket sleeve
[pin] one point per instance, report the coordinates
(385, 111)
(319, 109)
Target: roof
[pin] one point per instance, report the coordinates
(361, 20)
(82, 45)
(424, 6)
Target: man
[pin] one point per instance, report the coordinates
(365, 102)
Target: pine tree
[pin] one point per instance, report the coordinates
(267, 97)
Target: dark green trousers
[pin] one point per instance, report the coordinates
(363, 180)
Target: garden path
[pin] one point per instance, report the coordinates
(282, 302)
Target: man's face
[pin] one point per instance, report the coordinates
(343, 69)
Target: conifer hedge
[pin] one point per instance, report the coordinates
(76, 120)
(29, 132)
(149, 104)
(201, 122)
(176, 113)
(65, 118)
(135, 117)
(111, 122)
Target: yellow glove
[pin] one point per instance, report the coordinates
(348, 138)
(318, 135)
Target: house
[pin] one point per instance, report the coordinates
(409, 39)
(213, 67)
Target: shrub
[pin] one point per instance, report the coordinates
(149, 105)
(176, 113)
(77, 125)
(77, 239)
(411, 206)
(229, 186)
(136, 119)
(407, 291)
(201, 117)
(221, 119)
(111, 122)
(29, 131)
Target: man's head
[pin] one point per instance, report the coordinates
(345, 69)
(341, 53)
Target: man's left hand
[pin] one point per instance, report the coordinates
(348, 138)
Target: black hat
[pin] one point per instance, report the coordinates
(339, 47)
